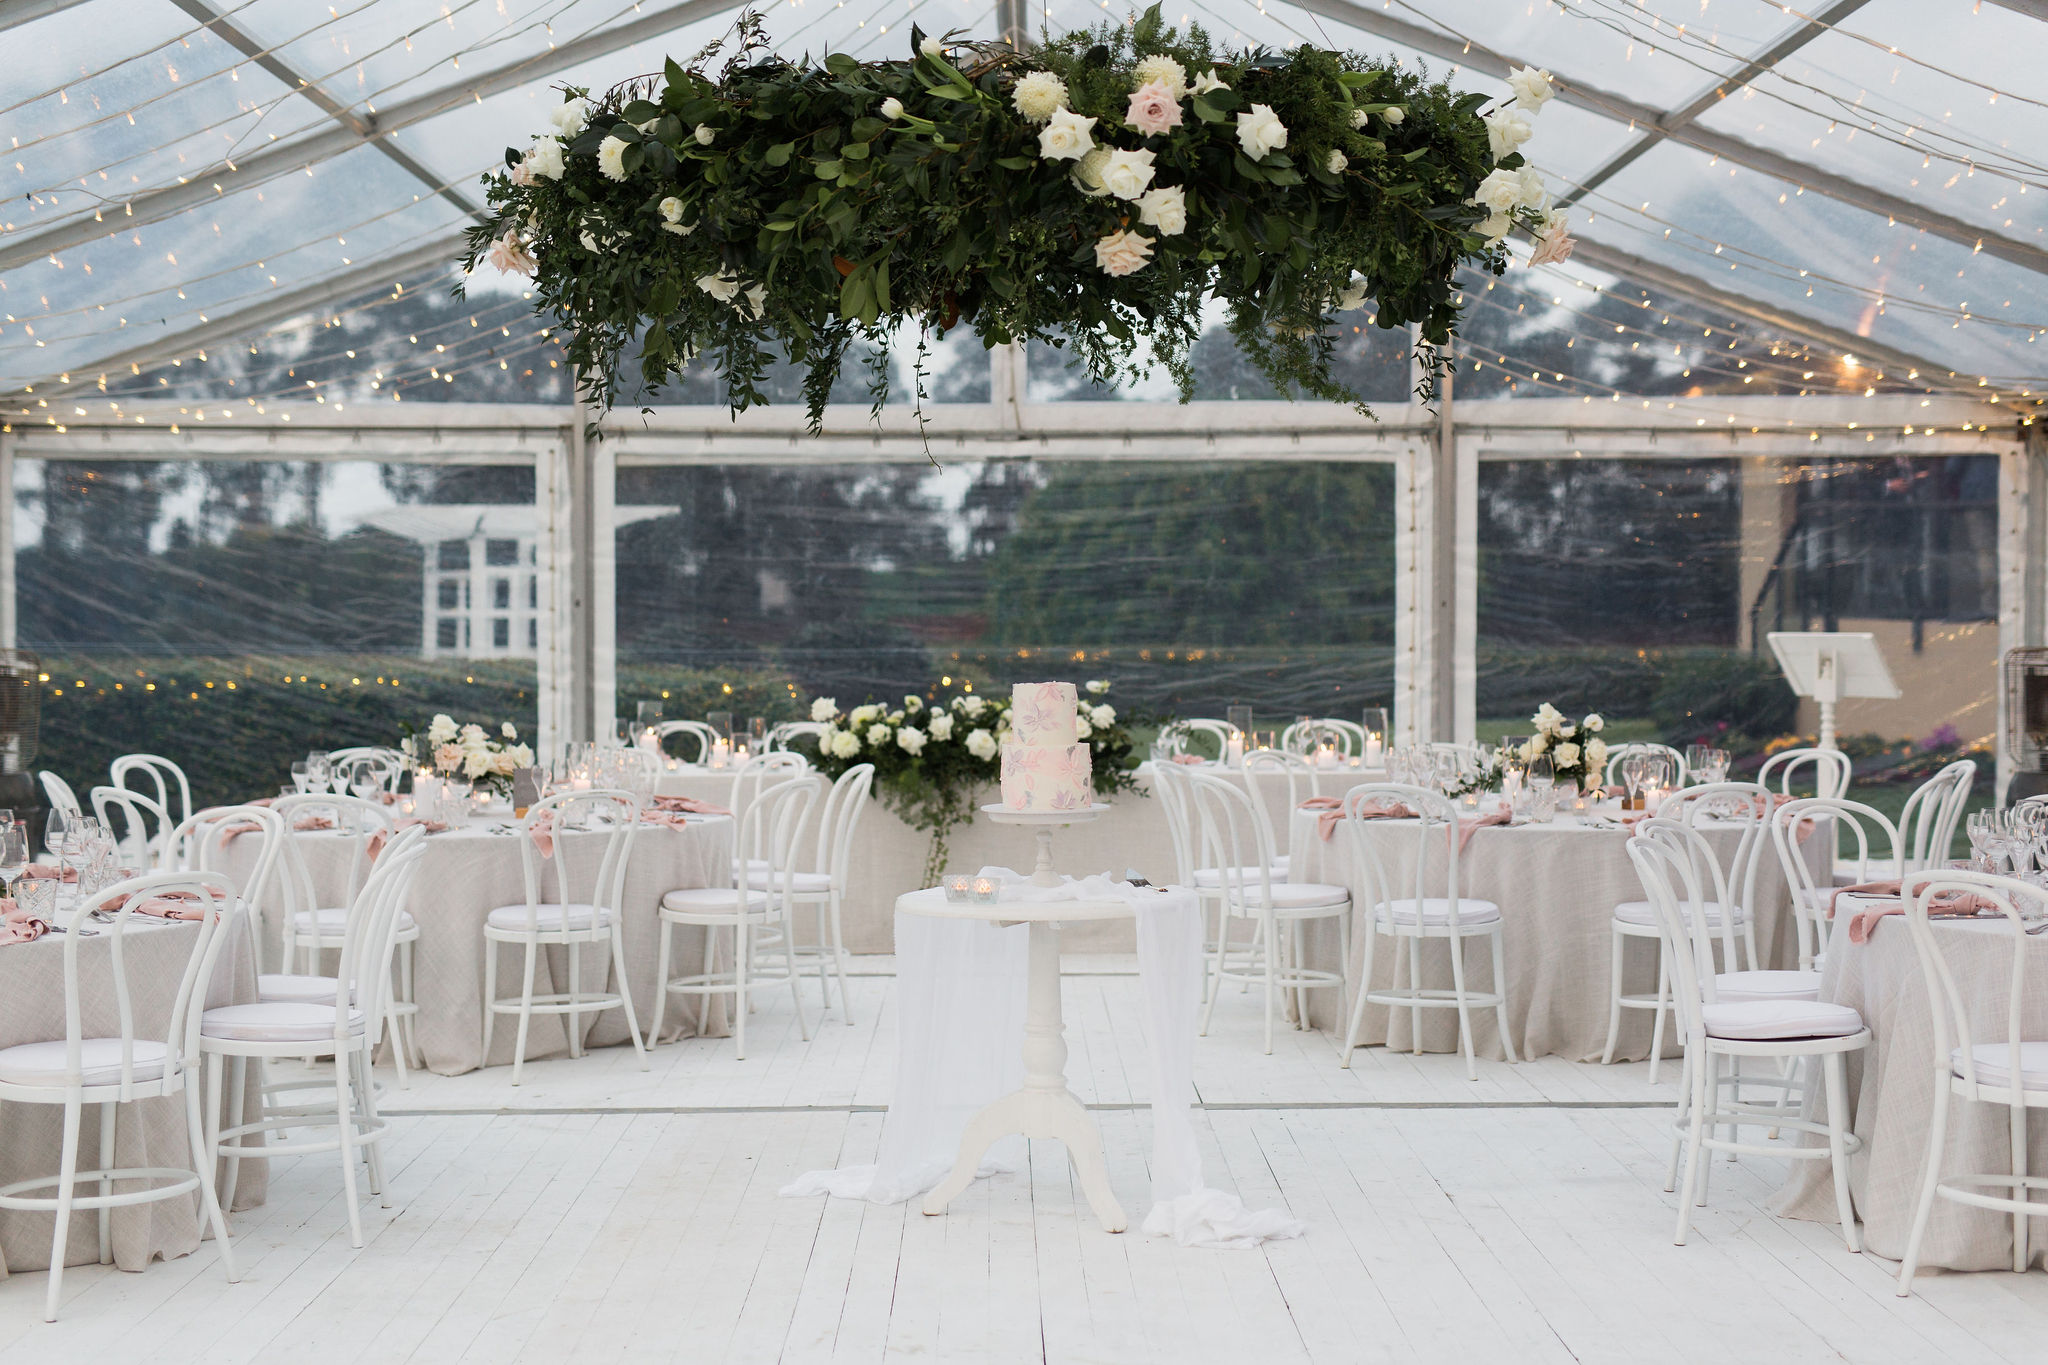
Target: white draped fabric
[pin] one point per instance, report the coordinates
(960, 993)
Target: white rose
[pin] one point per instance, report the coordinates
(544, 158)
(863, 714)
(441, 730)
(1500, 191)
(1567, 731)
(1102, 716)
(475, 764)
(522, 756)
(724, 288)
(892, 108)
(932, 47)
(972, 705)
(705, 134)
(757, 299)
(1531, 747)
(1567, 755)
(823, 709)
(845, 744)
(1594, 723)
(472, 735)
(509, 730)
(1066, 137)
(981, 744)
(1495, 226)
(1596, 754)
(909, 739)
(590, 242)
(1353, 295)
(1097, 686)
(1359, 118)
(1087, 173)
(1547, 718)
(1126, 174)
(1532, 87)
(1123, 253)
(1208, 81)
(672, 218)
(1081, 727)
(1532, 192)
(611, 158)
(570, 117)
(1337, 162)
(941, 726)
(1166, 71)
(1506, 131)
(1165, 208)
(1394, 115)
(1039, 95)
(1260, 132)
(878, 735)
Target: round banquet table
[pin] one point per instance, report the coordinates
(1557, 885)
(1891, 1090)
(149, 1132)
(474, 868)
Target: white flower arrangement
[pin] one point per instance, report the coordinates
(468, 751)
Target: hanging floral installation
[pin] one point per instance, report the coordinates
(1089, 193)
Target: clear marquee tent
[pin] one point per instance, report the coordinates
(266, 470)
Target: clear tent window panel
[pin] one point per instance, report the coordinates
(1191, 586)
(234, 614)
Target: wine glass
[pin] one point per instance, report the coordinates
(1634, 768)
(53, 832)
(364, 781)
(302, 778)
(13, 855)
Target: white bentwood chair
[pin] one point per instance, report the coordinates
(59, 793)
(1738, 805)
(110, 1070)
(1236, 840)
(1813, 893)
(1170, 783)
(1927, 824)
(1814, 1032)
(784, 735)
(341, 1030)
(689, 729)
(758, 915)
(1404, 909)
(823, 887)
(567, 923)
(1830, 776)
(1304, 735)
(2011, 1070)
(389, 765)
(164, 778)
(142, 829)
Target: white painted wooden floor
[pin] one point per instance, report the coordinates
(601, 1213)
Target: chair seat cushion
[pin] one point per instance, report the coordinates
(304, 990)
(712, 900)
(575, 915)
(1994, 1064)
(333, 921)
(1437, 911)
(1207, 877)
(1643, 913)
(1773, 1020)
(99, 1062)
(801, 883)
(1289, 896)
(275, 1021)
(1731, 987)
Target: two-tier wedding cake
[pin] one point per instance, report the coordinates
(1046, 767)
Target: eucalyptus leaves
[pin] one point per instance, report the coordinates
(1088, 193)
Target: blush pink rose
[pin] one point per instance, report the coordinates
(1554, 245)
(510, 255)
(1153, 109)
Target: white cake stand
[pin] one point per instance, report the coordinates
(1044, 821)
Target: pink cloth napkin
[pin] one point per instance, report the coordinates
(18, 926)
(1469, 825)
(184, 905)
(377, 840)
(1958, 903)
(689, 805)
(45, 871)
(1197, 758)
(1329, 812)
(543, 833)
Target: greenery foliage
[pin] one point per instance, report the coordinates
(805, 210)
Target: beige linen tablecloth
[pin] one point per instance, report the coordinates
(1891, 1091)
(469, 871)
(1557, 886)
(148, 1132)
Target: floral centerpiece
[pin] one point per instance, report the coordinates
(1090, 191)
(932, 757)
(469, 752)
(1576, 751)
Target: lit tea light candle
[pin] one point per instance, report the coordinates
(959, 886)
(987, 890)
(721, 752)
(1326, 756)
(1653, 798)
(1471, 801)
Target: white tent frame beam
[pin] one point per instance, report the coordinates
(260, 53)
(224, 179)
(20, 12)
(2033, 9)
(1581, 95)
(1773, 53)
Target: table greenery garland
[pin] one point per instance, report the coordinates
(933, 759)
(1089, 192)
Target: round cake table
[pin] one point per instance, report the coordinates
(1044, 1107)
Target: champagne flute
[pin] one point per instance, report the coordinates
(53, 833)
